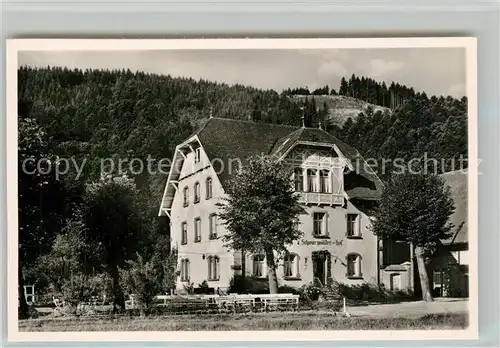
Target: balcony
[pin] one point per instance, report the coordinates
(318, 198)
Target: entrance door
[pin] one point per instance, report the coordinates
(437, 282)
(319, 270)
(320, 266)
(395, 282)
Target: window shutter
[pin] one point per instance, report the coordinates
(298, 265)
(358, 270)
(359, 225)
(346, 224)
(326, 224)
(209, 263)
(347, 266)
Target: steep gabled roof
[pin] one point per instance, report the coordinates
(457, 182)
(227, 139)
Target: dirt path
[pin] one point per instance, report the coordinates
(411, 309)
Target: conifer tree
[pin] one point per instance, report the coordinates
(343, 90)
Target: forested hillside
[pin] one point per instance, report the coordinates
(88, 116)
(335, 110)
(365, 89)
(103, 113)
(91, 115)
(434, 128)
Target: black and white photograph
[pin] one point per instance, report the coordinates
(297, 187)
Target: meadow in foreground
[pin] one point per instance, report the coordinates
(274, 321)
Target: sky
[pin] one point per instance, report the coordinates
(436, 71)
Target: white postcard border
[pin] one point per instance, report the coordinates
(16, 45)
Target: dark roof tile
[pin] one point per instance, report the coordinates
(226, 140)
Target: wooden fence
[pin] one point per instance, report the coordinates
(196, 304)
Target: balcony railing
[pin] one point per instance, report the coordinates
(321, 198)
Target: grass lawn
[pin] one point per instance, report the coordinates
(253, 321)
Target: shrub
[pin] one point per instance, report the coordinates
(257, 286)
(143, 280)
(44, 300)
(309, 293)
(67, 256)
(203, 288)
(81, 288)
(238, 285)
(189, 288)
(248, 285)
(147, 279)
(370, 292)
(286, 289)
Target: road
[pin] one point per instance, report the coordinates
(411, 309)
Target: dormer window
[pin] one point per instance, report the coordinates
(324, 181)
(312, 180)
(197, 155)
(298, 178)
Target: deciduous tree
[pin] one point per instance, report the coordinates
(38, 207)
(114, 222)
(261, 212)
(415, 207)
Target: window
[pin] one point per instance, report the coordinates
(213, 268)
(186, 196)
(197, 155)
(185, 270)
(353, 227)
(298, 178)
(324, 181)
(184, 233)
(213, 226)
(208, 187)
(312, 180)
(197, 230)
(354, 266)
(320, 224)
(291, 266)
(258, 265)
(196, 192)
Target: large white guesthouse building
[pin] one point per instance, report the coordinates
(336, 188)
